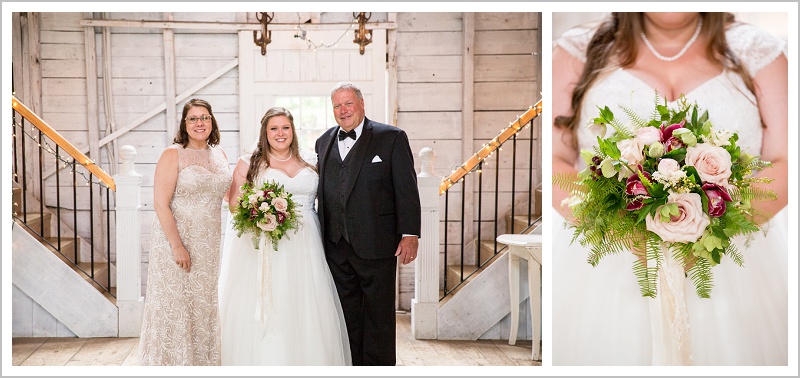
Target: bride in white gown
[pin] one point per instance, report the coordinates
(599, 316)
(280, 307)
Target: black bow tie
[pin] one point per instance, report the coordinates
(347, 134)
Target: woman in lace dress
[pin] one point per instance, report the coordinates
(739, 74)
(280, 307)
(181, 315)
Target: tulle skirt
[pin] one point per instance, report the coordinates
(600, 317)
(303, 324)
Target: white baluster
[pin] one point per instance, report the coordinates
(426, 267)
(129, 253)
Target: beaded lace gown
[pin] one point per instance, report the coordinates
(181, 317)
(599, 316)
(280, 307)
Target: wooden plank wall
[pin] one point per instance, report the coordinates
(430, 92)
(139, 84)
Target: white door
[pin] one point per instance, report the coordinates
(300, 78)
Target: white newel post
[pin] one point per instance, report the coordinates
(129, 253)
(426, 270)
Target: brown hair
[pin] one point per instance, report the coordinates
(259, 160)
(182, 137)
(616, 37)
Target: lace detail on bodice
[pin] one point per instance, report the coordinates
(729, 103)
(754, 47)
(211, 159)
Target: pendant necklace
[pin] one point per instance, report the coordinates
(683, 50)
(281, 160)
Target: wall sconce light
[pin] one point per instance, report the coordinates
(266, 36)
(363, 35)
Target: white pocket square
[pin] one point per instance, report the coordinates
(376, 159)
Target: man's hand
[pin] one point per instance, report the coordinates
(407, 249)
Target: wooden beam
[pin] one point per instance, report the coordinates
(227, 26)
(467, 112)
(169, 75)
(392, 71)
(161, 107)
(90, 54)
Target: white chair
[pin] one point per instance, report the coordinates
(529, 248)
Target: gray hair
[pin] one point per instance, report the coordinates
(345, 85)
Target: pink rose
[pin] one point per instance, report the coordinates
(269, 223)
(717, 196)
(668, 166)
(631, 150)
(648, 135)
(280, 204)
(685, 227)
(712, 163)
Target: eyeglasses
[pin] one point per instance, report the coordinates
(193, 119)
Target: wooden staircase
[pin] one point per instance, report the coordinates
(486, 247)
(69, 247)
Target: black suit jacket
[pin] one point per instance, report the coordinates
(382, 197)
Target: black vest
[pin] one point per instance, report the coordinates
(336, 177)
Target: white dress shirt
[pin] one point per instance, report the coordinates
(346, 144)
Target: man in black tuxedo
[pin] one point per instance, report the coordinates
(369, 210)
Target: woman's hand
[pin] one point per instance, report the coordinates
(182, 258)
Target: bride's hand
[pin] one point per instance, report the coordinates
(182, 258)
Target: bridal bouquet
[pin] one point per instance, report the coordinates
(268, 210)
(674, 184)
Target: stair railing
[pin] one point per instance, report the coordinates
(32, 137)
(471, 257)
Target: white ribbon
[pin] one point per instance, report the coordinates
(669, 318)
(264, 300)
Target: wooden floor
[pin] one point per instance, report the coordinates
(27, 351)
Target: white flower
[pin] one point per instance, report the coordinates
(598, 129)
(718, 137)
(264, 207)
(669, 173)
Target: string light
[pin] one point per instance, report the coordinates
(65, 160)
(302, 34)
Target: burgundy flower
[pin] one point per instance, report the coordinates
(717, 196)
(674, 143)
(281, 217)
(635, 205)
(666, 132)
(635, 187)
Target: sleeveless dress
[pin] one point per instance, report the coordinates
(291, 286)
(599, 316)
(181, 316)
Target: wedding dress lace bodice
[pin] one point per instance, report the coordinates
(729, 103)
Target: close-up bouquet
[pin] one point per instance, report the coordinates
(673, 183)
(268, 210)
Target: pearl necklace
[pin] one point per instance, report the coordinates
(683, 50)
(283, 160)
